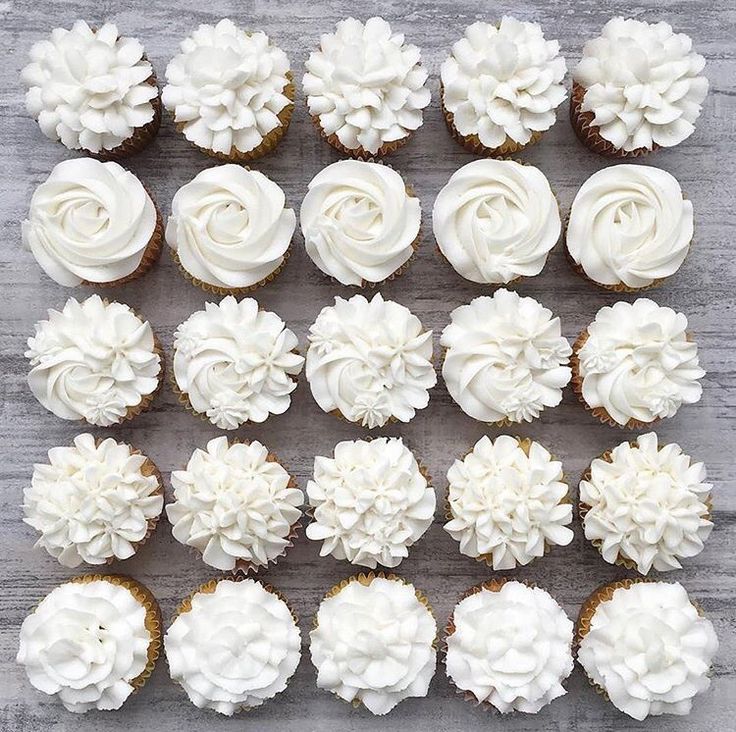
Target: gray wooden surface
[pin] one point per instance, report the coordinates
(703, 289)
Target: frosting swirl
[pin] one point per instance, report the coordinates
(371, 502)
(496, 220)
(89, 222)
(235, 504)
(638, 363)
(374, 643)
(89, 88)
(236, 363)
(510, 647)
(235, 648)
(506, 358)
(94, 360)
(230, 227)
(370, 360)
(366, 85)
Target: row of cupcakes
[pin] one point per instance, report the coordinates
(235, 643)
(638, 87)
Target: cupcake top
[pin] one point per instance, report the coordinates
(86, 643)
(496, 220)
(95, 360)
(230, 227)
(629, 224)
(236, 363)
(649, 649)
(235, 504)
(89, 222)
(371, 502)
(373, 643)
(506, 359)
(510, 647)
(370, 361)
(647, 504)
(366, 85)
(359, 223)
(638, 362)
(503, 82)
(227, 87)
(93, 502)
(507, 501)
(90, 89)
(234, 647)
(643, 84)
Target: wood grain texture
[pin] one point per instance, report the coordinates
(703, 289)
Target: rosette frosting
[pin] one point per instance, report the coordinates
(370, 360)
(237, 646)
(359, 223)
(374, 643)
(496, 220)
(505, 358)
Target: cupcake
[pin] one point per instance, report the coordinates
(236, 505)
(92, 641)
(507, 502)
(370, 361)
(371, 502)
(500, 86)
(230, 230)
(230, 91)
(509, 647)
(234, 363)
(505, 358)
(638, 87)
(636, 364)
(365, 88)
(373, 642)
(94, 501)
(93, 90)
(630, 227)
(95, 361)
(646, 647)
(360, 222)
(646, 506)
(496, 221)
(92, 223)
(233, 645)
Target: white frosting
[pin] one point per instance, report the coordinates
(638, 363)
(507, 505)
(496, 220)
(370, 360)
(371, 502)
(89, 221)
(510, 648)
(649, 649)
(374, 644)
(230, 227)
(92, 503)
(643, 84)
(236, 647)
(505, 358)
(358, 221)
(630, 224)
(236, 363)
(86, 643)
(87, 88)
(226, 87)
(647, 504)
(234, 505)
(366, 85)
(94, 360)
(503, 82)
